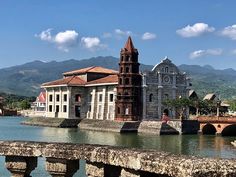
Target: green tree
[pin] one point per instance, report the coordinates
(24, 104)
(180, 104)
(232, 104)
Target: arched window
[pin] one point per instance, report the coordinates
(127, 81)
(120, 81)
(118, 110)
(127, 69)
(150, 97)
(122, 58)
(166, 69)
(121, 69)
(127, 58)
(166, 96)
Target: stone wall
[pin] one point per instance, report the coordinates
(62, 159)
(160, 128)
(147, 127)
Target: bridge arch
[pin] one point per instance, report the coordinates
(229, 130)
(209, 129)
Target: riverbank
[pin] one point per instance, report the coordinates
(51, 122)
(146, 127)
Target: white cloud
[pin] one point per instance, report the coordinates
(106, 35)
(148, 36)
(92, 43)
(45, 35)
(229, 31)
(234, 52)
(122, 33)
(63, 40)
(196, 30)
(201, 53)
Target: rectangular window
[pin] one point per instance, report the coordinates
(57, 108)
(64, 108)
(111, 97)
(100, 97)
(78, 98)
(50, 98)
(126, 111)
(50, 108)
(57, 97)
(65, 97)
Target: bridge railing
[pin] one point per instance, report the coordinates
(226, 119)
(62, 159)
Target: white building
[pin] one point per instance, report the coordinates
(85, 93)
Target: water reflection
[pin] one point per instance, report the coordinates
(200, 145)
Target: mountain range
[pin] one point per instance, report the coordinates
(26, 79)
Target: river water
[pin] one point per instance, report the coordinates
(199, 145)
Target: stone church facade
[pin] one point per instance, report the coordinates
(127, 95)
(164, 81)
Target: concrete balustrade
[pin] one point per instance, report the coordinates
(62, 160)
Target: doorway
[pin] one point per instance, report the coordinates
(77, 111)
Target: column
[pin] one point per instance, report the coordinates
(53, 102)
(174, 94)
(187, 95)
(46, 110)
(60, 102)
(104, 101)
(61, 167)
(114, 104)
(68, 102)
(160, 87)
(92, 116)
(20, 166)
(144, 96)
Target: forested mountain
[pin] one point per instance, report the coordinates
(26, 79)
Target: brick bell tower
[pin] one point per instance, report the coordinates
(128, 102)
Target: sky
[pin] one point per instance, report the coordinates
(201, 32)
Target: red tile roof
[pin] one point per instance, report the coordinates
(93, 69)
(70, 81)
(108, 79)
(42, 97)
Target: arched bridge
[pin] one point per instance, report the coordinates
(225, 126)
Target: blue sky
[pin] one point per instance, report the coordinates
(188, 32)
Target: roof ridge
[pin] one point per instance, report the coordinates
(91, 67)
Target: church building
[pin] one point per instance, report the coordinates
(125, 95)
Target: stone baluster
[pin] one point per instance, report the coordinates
(129, 173)
(94, 169)
(61, 167)
(20, 166)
